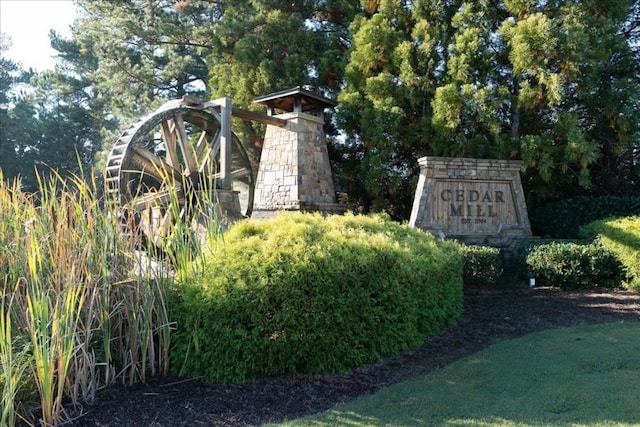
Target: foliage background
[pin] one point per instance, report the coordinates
(556, 84)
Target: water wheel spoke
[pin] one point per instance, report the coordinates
(215, 144)
(188, 153)
(210, 161)
(156, 224)
(153, 165)
(169, 138)
(235, 174)
(240, 173)
(158, 199)
(208, 165)
(203, 145)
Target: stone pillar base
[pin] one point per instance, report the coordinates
(229, 201)
(295, 172)
(218, 215)
(322, 208)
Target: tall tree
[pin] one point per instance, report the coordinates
(396, 61)
(70, 123)
(548, 87)
(94, 111)
(538, 80)
(262, 46)
(48, 123)
(146, 50)
(9, 77)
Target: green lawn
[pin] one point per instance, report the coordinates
(584, 376)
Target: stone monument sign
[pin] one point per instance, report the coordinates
(475, 201)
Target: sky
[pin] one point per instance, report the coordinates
(28, 22)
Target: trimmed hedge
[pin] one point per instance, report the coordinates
(572, 265)
(301, 293)
(563, 219)
(481, 265)
(622, 237)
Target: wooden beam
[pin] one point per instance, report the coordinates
(258, 117)
(225, 143)
(237, 112)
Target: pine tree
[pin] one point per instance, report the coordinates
(146, 51)
(553, 83)
(50, 122)
(9, 71)
(396, 61)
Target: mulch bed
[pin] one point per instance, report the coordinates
(490, 315)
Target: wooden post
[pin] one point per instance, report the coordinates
(225, 142)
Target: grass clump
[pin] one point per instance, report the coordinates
(74, 315)
(622, 237)
(308, 294)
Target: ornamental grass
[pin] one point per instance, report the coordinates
(76, 313)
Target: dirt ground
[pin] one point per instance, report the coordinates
(490, 315)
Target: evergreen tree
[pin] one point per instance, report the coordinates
(576, 89)
(18, 122)
(396, 61)
(70, 124)
(92, 112)
(9, 71)
(262, 46)
(554, 83)
(49, 123)
(146, 51)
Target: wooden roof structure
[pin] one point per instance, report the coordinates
(295, 100)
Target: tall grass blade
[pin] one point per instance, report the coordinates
(13, 363)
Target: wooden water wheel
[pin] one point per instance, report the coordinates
(170, 165)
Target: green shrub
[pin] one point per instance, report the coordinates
(306, 294)
(622, 237)
(571, 265)
(481, 265)
(563, 219)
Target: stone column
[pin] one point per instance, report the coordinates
(294, 172)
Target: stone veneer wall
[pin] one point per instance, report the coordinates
(229, 202)
(476, 201)
(294, 172)
(220, 214)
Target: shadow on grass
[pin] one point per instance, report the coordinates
(584, 376)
